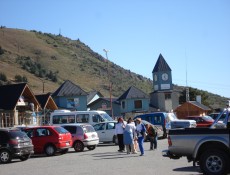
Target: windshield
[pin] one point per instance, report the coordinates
(171, 117)
(106, 117)
(61, 130)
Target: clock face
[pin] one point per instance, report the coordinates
(155, 77)
(165, 76)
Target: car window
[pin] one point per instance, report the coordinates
(3, 137)
(88, 128)
(82, 118)
(43, 132)
(97, 118)
(110, 126)
(15, 134)
(99, 127)
(62, 119)
(61, 130)
(157, 119)
(29, 132)
(71, 129)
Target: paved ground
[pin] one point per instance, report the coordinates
(104, 160)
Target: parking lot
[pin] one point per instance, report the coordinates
(103, 160)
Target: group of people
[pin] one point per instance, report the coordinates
(131, 134)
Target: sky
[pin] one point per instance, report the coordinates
(192, 35)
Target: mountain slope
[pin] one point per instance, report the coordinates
(47, 59)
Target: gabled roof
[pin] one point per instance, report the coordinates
(114, 100)
(132, 93)
(46, 101)
(92, 94)
(68, 88)
(10, 94)
(161, 65)
(200, 105)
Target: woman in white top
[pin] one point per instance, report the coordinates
(119, 131)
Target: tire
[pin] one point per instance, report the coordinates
(115, 140)
(91, 147)
(5, 156)
(24, 157)
(78, 146)
(64, 151)
(214, 162)
(50, 150)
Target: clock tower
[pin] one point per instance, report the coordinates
(163, 97)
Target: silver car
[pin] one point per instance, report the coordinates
(106, 131)
(83, 135)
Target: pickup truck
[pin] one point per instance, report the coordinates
(207, 147)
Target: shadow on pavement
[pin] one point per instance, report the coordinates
(195, 169)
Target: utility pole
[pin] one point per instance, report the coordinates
(110, 84)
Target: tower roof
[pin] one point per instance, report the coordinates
(161, 65)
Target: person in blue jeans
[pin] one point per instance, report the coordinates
(141, 130)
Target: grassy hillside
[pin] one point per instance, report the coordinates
(52, 59)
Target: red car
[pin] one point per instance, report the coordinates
(202, 121)
(49, 139)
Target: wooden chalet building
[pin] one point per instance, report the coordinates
(18, 105)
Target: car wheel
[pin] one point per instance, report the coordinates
(50, 150)
(24, 157)
(91, 147)
(78, 146)
(64, 151)
(5, 156)
(214, 162)
(115, 140)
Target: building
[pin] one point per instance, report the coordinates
(104, 104)
(191, 108)
(133, 101)
(163, 97)
(70, 96)
(18, 105)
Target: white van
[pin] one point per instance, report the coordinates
(59, 117)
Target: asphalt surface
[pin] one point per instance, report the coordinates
(104, 160)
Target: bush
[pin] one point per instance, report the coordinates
(3, 77)
(19, 78)
(1, 51)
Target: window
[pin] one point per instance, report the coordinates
(62, 119)
(167, 96)
(42, 132)
(110, 126)
(82, 118)
(97, 118)
(138, 104)
(123, 104)
(71, 129)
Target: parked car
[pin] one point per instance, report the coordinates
(215, 115)
(106, 131)
(49, 139)
(14, 144)
(202, 121)
(83, 135)
(160, 132)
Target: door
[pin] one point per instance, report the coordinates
(100, 129)
(109, 132)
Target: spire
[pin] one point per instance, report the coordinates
(161, 65)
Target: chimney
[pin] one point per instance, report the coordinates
(198, 98)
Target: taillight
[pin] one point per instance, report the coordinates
(85, 136)
(169, 141)
(13, 142)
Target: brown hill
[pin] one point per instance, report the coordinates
(47, 59)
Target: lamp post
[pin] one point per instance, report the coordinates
(110, 84)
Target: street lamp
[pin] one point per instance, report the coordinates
(110, 84)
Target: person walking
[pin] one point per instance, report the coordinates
(152, 135)
(129, 134)
(141, 130)
(119, 132)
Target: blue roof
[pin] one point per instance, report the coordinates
(161, 65)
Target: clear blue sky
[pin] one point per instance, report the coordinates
(188, 33)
